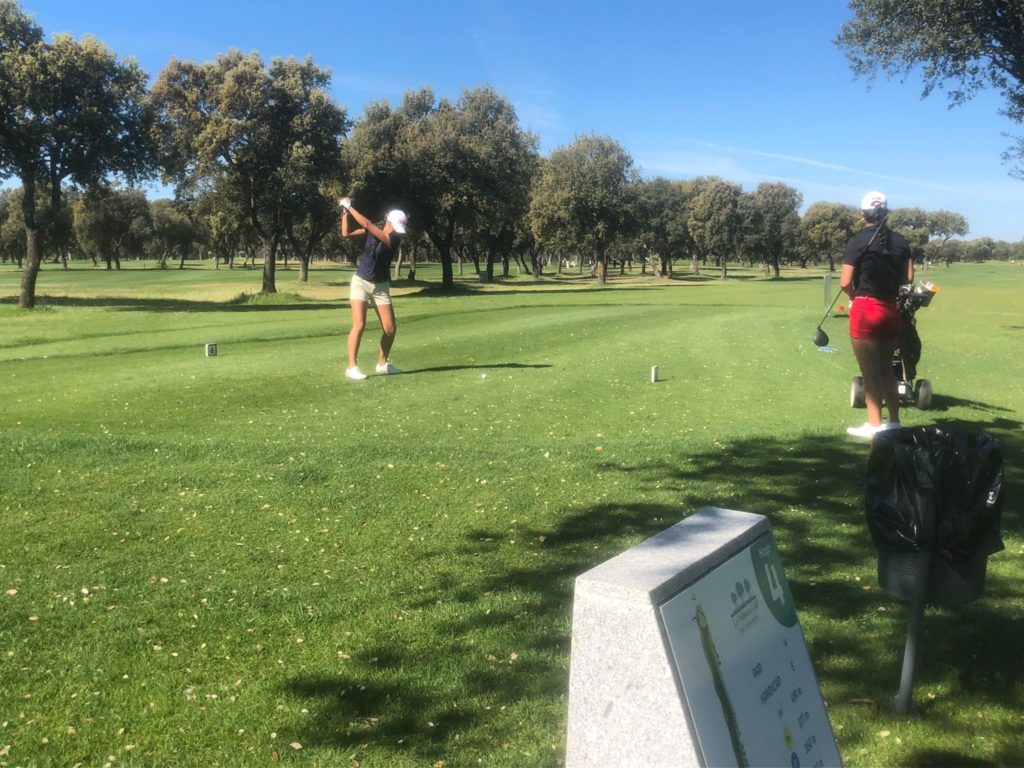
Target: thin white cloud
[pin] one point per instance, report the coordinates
(669, 163)
(774, 156)
(539, 118)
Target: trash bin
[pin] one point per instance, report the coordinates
(934, 503)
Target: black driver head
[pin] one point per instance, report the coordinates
(820, 338)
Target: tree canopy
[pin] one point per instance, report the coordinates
(112, 223)
(269, 135)
(581, 201)
(69, 109)
(453, 166)
(970, 44)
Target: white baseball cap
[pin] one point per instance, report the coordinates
(398, 220)
(873, 200)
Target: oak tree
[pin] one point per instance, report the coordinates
(267, 136)
(968, 44)
(69, 110)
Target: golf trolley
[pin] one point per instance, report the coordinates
(907, 355)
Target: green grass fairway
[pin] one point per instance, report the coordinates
(248, 560)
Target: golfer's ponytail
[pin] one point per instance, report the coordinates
(884, 238)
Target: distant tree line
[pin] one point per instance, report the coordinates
(258, 154)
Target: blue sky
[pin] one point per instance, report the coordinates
(750, 90)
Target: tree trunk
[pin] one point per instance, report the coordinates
(443, 243)
(303, 268)
(447, 278)
(396, 271)
(27, 297)
(695, 266)
(537, 262)
(269, 281)
(33, 252)
(602, 271)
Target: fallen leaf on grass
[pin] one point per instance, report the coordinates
(11, 592)
(864, 702)
(884, 734)
(296, 745)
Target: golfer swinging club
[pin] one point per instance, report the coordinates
(877, 263)
(372, 281)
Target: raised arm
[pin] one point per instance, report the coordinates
(367, 225)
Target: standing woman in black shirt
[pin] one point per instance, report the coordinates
(877, 263)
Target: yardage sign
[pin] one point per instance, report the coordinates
(747, 677)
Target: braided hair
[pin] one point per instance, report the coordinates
(880, 215)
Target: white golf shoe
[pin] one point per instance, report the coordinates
(387, 369)
(354, 373)
(866, 431)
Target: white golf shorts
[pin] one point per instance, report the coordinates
(364, 290)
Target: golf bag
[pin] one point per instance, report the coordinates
(908, 354)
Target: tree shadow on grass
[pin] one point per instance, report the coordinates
(942, 403)
(245, 304)
(438, 292)
(810, 488)
(479, 366)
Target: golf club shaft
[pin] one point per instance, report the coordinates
(823, 319)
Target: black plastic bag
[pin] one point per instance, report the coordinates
(933, 491)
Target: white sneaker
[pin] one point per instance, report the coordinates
(892, 425)
(387, 369)
(867, 431)
(354, 373)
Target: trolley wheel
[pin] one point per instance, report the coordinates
(857, 392)
(923, 391)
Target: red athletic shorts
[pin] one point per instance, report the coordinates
(872, 318)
